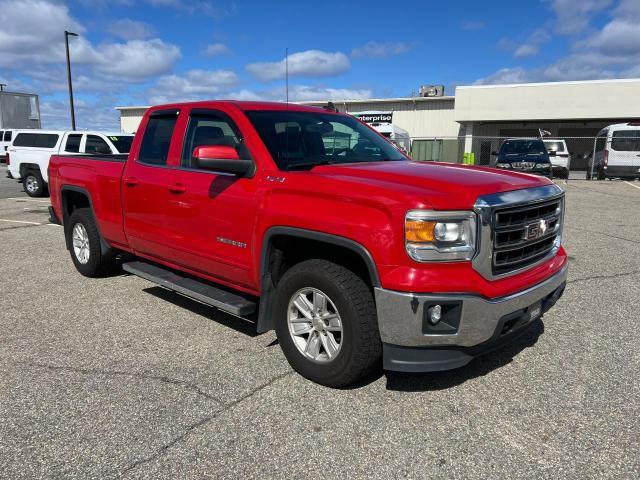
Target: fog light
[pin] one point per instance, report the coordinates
(435, 314)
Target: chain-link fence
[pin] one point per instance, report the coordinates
(572, 159)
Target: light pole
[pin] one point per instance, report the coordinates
(2, 85)
(66, 44)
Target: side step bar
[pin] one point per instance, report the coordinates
(203, 292)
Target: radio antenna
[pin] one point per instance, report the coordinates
(286, 73)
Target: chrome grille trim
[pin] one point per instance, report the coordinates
(489, 207)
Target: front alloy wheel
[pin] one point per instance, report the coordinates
(315, 325)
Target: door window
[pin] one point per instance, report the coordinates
(7, 136)
(96, 144)
(157, 139)
(73, 143)
(212, 128)
(626, 141)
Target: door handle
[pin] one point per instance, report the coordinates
(131, 182)
(177, 188)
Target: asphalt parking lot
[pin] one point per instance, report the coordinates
(116, 378)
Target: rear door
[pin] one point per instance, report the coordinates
(145, 186)
(212, 214)
(624, 151)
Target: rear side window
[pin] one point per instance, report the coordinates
(157, 139)
(95, 144)
(36, 140)
(73, 144)
(7, 136)
(626, 141)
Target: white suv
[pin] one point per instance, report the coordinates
(29, 154)
(561, 162)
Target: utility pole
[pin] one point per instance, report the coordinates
(66, 44)
(2, 85)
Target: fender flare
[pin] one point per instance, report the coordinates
(265, 320)
(104, 245)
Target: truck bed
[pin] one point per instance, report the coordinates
(99, 175)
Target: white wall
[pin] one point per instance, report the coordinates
(549, 101)
(131, 118)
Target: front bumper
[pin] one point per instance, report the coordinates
(469, 323)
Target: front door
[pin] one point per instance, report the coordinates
(212, 215)
(145, 187)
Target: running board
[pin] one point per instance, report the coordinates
(203, 292)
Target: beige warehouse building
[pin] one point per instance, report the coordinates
(479, 117)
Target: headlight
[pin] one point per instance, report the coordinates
(432, 236)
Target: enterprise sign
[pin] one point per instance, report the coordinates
(374, 117)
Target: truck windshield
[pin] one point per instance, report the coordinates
(122, 142)
(299, 140)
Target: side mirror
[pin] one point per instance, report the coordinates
(494, 154)
(553, 153)
(221, 158)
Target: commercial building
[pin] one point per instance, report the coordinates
(19, 110)
(478, 118)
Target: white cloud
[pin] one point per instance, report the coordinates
(216, 49)
(572, 16)
(128, 29)
(22, 50)
(529, 46)
(613, 51)
(380, 49)
(205, 8)
(193, 85)
(310, 63)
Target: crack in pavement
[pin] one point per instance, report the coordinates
(604, 234)
(603, 277)
(118, 373)
(163, 449)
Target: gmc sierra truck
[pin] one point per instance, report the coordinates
(311, 223)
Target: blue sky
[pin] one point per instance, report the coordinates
(133, 52)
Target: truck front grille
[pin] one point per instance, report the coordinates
(524, 234)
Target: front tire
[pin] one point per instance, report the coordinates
(326, 323)
(83, 242)
(34, 185)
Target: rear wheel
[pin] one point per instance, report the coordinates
(326, 323)
(33, 183)
(83, 242)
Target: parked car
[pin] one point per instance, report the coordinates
(28, 157)
(524, 155)
(561, 161)
(5, 141)
(355, 255)
(617, 151)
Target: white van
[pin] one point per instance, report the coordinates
(617, 151)
(5, 141)
(29, 154)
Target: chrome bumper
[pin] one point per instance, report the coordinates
(403, 317)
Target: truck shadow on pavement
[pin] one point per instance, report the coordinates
(479, 367)
(397, 381)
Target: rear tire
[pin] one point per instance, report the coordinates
(83, 241)
(33, 183)
(349, 299)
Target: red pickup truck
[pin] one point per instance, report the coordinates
(314, 225)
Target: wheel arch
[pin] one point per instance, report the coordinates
(273, 261)
(73, 198)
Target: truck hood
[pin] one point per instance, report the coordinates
(443, 186)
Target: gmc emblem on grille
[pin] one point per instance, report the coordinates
(536, 230)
